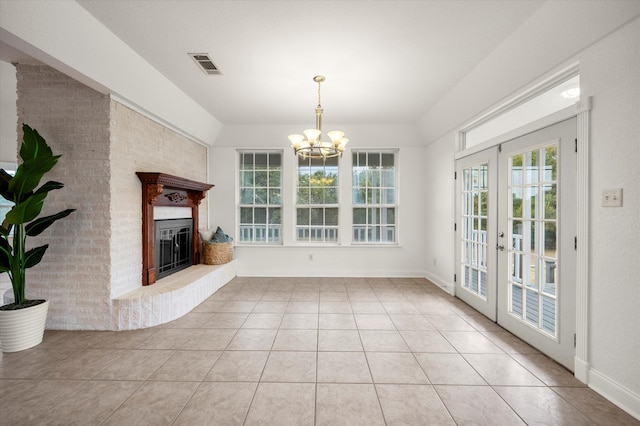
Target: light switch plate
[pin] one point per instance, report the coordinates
(612, 197)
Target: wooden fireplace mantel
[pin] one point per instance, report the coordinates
(160, 189)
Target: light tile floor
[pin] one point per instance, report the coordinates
(300, 351)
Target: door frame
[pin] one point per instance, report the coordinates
(581, 110)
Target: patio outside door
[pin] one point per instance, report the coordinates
(519, 268)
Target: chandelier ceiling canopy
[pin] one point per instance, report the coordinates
(310, 144)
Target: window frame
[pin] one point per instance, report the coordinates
(267, 206)
(379, 206)
(326, 229)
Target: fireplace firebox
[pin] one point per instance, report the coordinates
(172, 244)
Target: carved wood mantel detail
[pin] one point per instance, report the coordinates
(160, 189)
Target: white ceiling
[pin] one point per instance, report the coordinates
(384, 61)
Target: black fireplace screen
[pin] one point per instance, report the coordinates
(172, 245)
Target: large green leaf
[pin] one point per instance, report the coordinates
(49, 186)
(5, 255)
(33, 145)
(5, 178)
(5, 228)
(37, 159)
(37, 226)
(27, 210)
(30, 173)
(34, 256)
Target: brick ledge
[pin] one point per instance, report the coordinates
(171, 297)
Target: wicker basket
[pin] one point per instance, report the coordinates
(217, 253)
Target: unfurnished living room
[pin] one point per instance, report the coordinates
(360, 212)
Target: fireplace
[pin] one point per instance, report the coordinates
(163, 190)
(172, 245)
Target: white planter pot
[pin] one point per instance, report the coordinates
(23, 328)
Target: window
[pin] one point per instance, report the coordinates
(260, 197)
(553, 98)
(317, 200)
(374, 197)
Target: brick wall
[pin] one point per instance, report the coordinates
(142, 145)
(95, 254)
(75, 272)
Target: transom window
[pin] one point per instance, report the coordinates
(317, 200)
(374, 197)
(260, 197)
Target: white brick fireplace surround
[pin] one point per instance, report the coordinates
(91, 273)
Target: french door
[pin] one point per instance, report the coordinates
(516, 253)
(476, 177)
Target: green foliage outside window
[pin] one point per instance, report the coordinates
(527, 182)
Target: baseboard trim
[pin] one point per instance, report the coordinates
(320, 273)
(581, 370)
(446, 286)
(619, 395)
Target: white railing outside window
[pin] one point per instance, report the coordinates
(260, 234)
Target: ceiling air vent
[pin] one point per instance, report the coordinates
(205, 63)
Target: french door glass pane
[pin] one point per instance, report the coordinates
(532, 226)
(475, 202)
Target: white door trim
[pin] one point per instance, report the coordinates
(583, 108)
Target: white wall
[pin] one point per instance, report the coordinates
(439, 216)
(292, 259)
(609, 71)
(609, 74)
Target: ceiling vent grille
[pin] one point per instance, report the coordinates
(205, 63)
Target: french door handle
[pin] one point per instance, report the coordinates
(500, 247)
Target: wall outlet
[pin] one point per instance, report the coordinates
(612, 197)
(310, 258)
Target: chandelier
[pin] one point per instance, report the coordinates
(310, 145)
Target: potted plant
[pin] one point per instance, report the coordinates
(17, 328)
